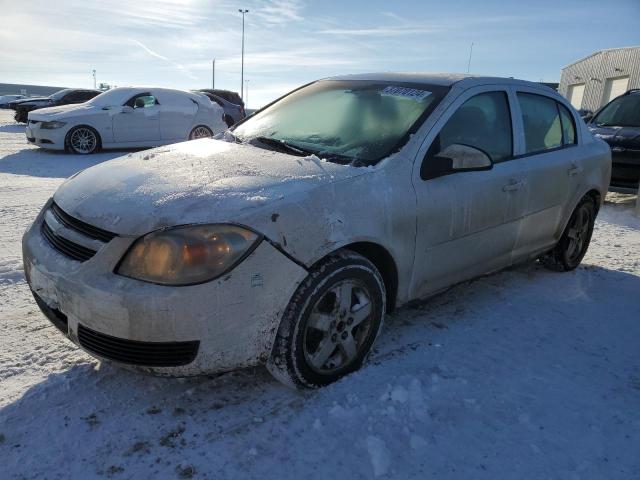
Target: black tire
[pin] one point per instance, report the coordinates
(197, 132)
(575, 239)
(351, 330)
(94, 146)
(20, 116)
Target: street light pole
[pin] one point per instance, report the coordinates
(242, 11)
(94, 79)
(246, 103)
(213, 75)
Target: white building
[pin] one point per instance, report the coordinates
(593, 81)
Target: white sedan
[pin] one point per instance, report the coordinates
(126, 117)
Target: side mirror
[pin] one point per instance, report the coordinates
(586, 115)
(455, 158)
(127, 109)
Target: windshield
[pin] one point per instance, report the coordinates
(353, 119)
(621, 112)
(60, 93)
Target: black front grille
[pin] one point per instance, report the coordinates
(66, 247)
(79, 226)
(54, 315)
(148, 354)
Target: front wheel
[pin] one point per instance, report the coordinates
(200, 131)
(573, 244)
(83, 140)
(330, 323)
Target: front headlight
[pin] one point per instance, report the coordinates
(52, 125)
(187, 255)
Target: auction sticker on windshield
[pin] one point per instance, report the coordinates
(413, 93)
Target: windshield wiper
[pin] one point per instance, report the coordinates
(283, 145)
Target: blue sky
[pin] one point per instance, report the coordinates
(290, 42)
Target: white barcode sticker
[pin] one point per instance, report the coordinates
(412, 93)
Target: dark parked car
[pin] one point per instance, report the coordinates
(230, 102)
(5, 100)
(63, 97)
(618, 124)
(13, 104)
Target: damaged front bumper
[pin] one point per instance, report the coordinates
(216, 326)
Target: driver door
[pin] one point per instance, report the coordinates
(140, 123)
(468, 220)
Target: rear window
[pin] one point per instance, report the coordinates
(541, 122)
(568, 126)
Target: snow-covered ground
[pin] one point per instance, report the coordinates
(526, 374)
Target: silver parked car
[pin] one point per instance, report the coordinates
(286, 243)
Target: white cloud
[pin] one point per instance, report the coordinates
(280, 11)
(178, 66)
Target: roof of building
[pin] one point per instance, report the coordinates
(598, 53)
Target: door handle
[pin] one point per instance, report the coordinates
(513, 186)
(574, 170)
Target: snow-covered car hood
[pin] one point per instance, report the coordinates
(202, 181)
(63, 111)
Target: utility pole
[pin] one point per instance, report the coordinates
(470, 53)
(242, 11)
(94, 78)
(213, 75)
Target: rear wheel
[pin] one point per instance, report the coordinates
(201, 131)
(330, 323)
(573, 244)
(83, 140)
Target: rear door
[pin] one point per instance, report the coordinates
(142, 125)
(549, 150)
(468, 222)
(177, 115)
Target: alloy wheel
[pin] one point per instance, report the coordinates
(200, 132)
(578, 233)
(338, 326)
(83, 140)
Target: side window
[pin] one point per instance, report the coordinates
(216, 100)
(87, 96)
(568, 126)
(541, 121)
(71, 98)
(142, 100)
(482, 122)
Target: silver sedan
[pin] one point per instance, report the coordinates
(285, 241)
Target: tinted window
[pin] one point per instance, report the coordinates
(143, 100)
(568, 126)
(482, 122)
(541, 121)
(84, 96)
(71, 98)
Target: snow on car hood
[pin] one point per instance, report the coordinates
(62, 111)
(202, 181)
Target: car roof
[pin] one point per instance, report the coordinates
(440, 79)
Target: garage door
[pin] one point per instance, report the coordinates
(614, 87)
(575, 94)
